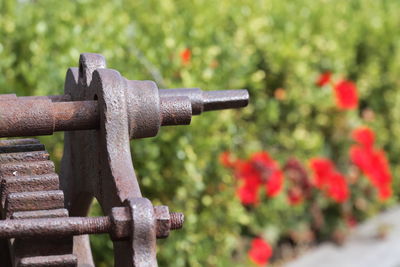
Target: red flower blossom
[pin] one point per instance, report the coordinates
(274, 183)
(259, 170)
(186, 55)
(226, 160)
(364, 136)
(322, 169)
(346, 95)
(260, 251)
(373, 163)
(385, 192)
(323, 79)
(337, 187)
(248, 194)
(327, 178)
(251, 182)
(245, 170)
(361, 159)
(269, 172)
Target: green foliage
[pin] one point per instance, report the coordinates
(259, 45)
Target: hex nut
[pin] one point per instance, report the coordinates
(121, 224)
(163, 224)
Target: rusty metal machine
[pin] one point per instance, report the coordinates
(44, 214)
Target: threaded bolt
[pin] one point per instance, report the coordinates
(21, 228)
(177, 219)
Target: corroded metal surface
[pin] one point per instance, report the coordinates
(100, 112)
(108, 173)
(147, 108)
(120, 224)
(30, 189)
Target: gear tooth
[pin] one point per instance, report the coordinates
(56, 213)
(59, 260)
(30, 189)
(24, 157)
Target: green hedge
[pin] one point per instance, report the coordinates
(259, 45)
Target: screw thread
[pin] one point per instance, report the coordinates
(95, 225)
(177, 219)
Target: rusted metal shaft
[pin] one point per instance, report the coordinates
(74, 115)
(23, 228)
(175, 110)
(31, 116)
(210, 100)
(225, 99)
(43, 117)
(26, 228)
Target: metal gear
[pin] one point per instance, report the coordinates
(30, 189)
(44, 215)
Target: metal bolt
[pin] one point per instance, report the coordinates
(177, 219)
(23, 228)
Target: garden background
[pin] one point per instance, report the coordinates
(276, 49)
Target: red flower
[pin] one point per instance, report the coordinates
(263, 158)
(327, 178)
(321, 168)
(364, 136)
(248, 195)
(251, 182)
(371, 161)
(245, 170)
(260, 251)
(346, 95)
(186, 55)
(274, 183)
(337, 187)
(323, 79)
(259, 170)
(269, 172)
(361, 158)
(225, 158)
(385, 192)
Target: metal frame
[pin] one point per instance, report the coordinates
(101, 111)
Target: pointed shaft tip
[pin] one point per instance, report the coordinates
(225, 99)
(210, 100)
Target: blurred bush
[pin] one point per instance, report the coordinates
(274, 48)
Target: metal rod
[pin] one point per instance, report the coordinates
(225, 99)
(54, 227)
(23, 228)
(43, 117)
(31, 116)
(210, 100)
(175, 110)
(75, 115)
